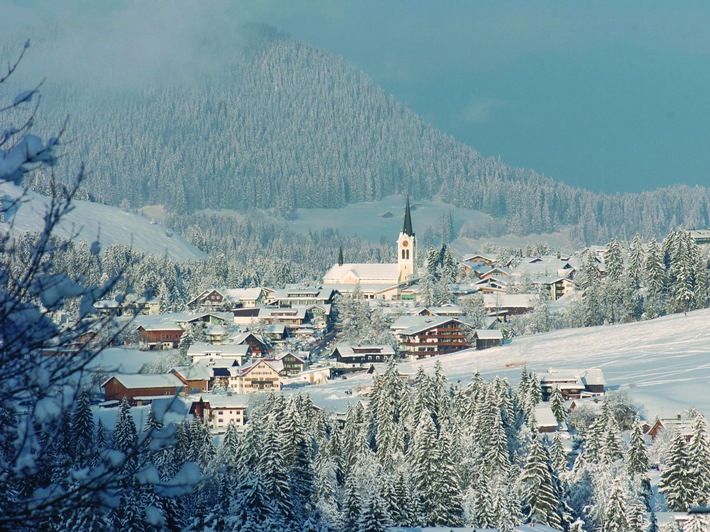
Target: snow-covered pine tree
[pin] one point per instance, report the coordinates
(557, 405)
(614, 518)
(540, 503)
(675, 482)
(83, 430)
(699, 462)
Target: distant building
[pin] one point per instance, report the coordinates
(427, 336)
(217, 411)
(141, 389)
(347, 355)
(573, 384)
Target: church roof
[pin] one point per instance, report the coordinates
(364, 273)
(407, 230)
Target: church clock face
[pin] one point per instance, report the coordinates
(405, 243)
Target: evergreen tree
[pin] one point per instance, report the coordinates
(675, 483)
(83, 430)
(614, 519)
(557, 404)
(699, 462)
(372, 516)
(537, 491)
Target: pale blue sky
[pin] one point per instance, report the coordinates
(609, 95)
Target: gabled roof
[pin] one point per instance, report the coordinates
(224, 350)
(429, 322)
(510, 300)
(132, 382)
(224, 401)
(362, 273)
(197, 372)
(347, 350)
(276, 365)
(287, 353)
(489, 334)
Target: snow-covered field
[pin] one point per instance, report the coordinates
(373, 220)
(663, 363)
(90, 220)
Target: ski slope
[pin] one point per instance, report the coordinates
(89, 221)
(663, 363)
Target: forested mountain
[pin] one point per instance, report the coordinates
(285, 125)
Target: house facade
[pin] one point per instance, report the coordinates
(217, 411)
(436, 335)
(347, 355)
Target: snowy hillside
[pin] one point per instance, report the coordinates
(663, 363)
(91, 220)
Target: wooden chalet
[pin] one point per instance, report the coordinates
(347, 355)
(159, 336)
(257, 346)
(260, 376)
(292, 364)
(677, 423)
(431, 336)
(573, 384)
(486, 338)
(141, 389)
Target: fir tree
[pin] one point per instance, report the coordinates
(557, 405)
(699, 462)
(675, 483)
(83, 429)
(538, 493)
(614, 518)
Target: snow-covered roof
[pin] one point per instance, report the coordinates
(160, 322)
(544, 415)
(347, 350)
(594, 377)
(489, 334)
(510, 300)
(225, 401)
(244, 294)
(428, 322)
(198, 372)
(282, 313)
(162, 380)
(354, 273)
(225, 350)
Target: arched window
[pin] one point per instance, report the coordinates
(403, 252)
(406, 252)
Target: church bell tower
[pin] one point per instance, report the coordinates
(406, 247)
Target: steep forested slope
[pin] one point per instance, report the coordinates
(281, 124)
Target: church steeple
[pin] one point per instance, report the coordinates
(340, 256)
(407, 247)
(407, 230)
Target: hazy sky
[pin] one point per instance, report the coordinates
(610, 95)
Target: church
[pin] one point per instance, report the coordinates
(380, 281)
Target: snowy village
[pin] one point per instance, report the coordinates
(264, 294)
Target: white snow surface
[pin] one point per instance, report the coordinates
(91, 221)
(663, 363)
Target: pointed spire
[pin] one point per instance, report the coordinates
(340, 256)
(408, 220)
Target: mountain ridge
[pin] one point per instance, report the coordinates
(285, 125)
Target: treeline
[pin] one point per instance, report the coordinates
(284, 125)
(243, 252)
(430, 454)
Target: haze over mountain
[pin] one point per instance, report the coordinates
(266, 121)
